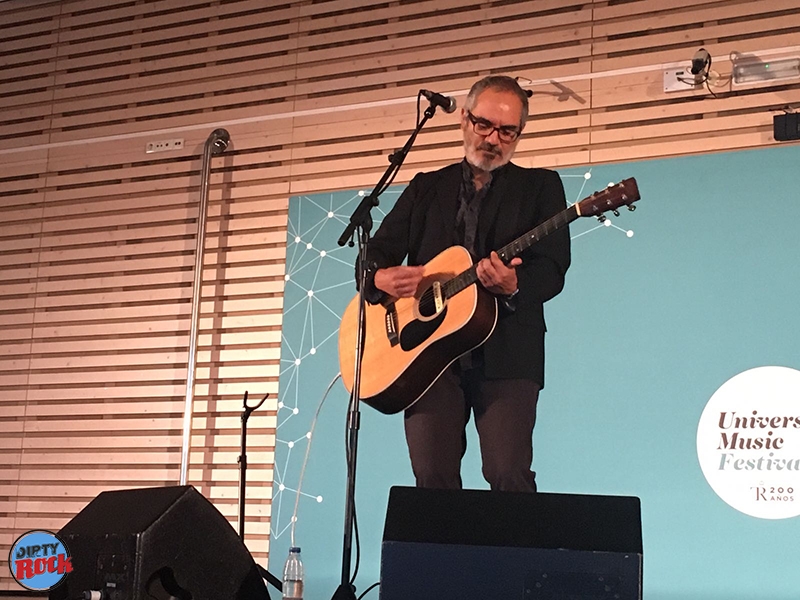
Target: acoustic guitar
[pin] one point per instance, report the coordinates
(409, 342)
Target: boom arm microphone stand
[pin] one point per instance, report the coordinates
(248, 410)
(361, 220)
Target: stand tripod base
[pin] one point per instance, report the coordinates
(274, 581)
(345, 592)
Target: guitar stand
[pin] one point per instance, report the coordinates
(248, 410)
(361, 222)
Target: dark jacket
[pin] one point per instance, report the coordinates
(422, 224)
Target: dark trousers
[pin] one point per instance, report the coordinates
(505, 413)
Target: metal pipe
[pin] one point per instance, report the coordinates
(216, 143)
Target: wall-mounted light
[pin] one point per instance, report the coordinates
(749, 70)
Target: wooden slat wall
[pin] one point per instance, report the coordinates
(97, 237)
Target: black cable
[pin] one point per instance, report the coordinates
(708, 87)
(358, 546)
(369, 589)
(707, 75)
(347, 448)
(347, 457)
(355, 516)
(703, 81)
(695, 83)
(528, 93)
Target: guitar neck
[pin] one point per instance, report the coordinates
(463, 280)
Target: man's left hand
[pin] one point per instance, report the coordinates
(496, 276)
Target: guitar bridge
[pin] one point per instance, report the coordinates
(391, 324)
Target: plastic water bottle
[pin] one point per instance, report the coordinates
(293, 576)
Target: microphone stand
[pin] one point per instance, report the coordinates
(248, 410)
(361, 220)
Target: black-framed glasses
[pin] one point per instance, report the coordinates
(506, 133)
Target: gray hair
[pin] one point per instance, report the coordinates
(499, 83)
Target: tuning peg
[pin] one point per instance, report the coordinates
(631, 207)
(616, 212)
(601, 218)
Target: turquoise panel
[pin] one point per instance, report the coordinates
(661, 307)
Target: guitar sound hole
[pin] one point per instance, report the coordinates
(427, 305)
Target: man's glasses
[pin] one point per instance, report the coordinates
(506, 133)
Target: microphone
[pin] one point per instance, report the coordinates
(446, 103)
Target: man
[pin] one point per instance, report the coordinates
(482, 203)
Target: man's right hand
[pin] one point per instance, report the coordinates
(399, 282)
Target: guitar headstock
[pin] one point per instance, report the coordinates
(625, 193)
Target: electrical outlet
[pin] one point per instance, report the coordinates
(679, 80)
(164, 146)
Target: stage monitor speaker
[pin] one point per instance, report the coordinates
(166, 543)
(479, 544)
(786, 127)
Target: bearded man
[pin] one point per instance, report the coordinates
(481, 203)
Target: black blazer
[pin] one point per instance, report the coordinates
(423, 223)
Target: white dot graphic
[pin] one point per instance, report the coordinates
(311, 240)
(315, 335)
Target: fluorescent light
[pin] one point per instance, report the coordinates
(754, 71)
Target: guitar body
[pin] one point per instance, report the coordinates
(411, 341)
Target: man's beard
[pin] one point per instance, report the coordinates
(479, 158)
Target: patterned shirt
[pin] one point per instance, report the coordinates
(469, 208)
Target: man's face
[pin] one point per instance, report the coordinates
(498, 109)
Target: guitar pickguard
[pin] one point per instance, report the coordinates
(417, 332)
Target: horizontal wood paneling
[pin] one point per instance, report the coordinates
(97, 240)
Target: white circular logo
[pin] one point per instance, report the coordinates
(748, 442)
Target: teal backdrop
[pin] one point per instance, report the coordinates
(661, 307)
